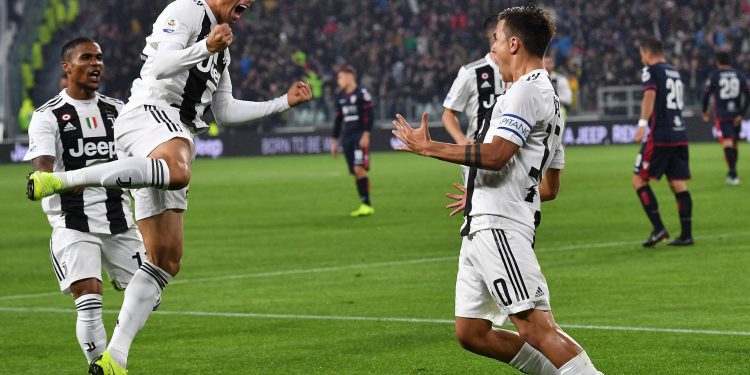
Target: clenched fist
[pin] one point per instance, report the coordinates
(219, 39)
(299, 93)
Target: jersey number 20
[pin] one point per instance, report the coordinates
(674, 96)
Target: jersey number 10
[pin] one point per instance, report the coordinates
(674, 97)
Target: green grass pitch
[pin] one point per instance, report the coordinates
(277, 279)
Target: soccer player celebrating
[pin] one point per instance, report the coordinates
(474, 91)
(665, 148)
(515, 164)
(731, 97)
(354, 114)
(91, 227)
(184, 71)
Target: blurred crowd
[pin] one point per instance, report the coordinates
(408, 51)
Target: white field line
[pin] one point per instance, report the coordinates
(212, 314)
(376, 264)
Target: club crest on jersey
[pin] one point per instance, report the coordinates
(66, 117)
(92, 126)
(92, 123)
(353, 99)
(485, 76)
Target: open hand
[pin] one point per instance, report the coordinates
(460, 199)
(415, 140)
(299, 93)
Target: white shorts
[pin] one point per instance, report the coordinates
(499, 275)
(137, 133)
(78, 256)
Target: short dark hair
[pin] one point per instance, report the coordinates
(653, 45)
(347, 69)
(723, 58)
(71, 45)
(531, 24)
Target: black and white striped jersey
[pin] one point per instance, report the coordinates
(184, 23)
(474, 91)
(528, 114)
(79, 133)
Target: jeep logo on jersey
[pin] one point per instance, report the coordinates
(101, 149)
(209, 66)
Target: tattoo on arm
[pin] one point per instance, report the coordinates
(473, 159)
(478, 156)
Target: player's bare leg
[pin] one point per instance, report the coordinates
(478, 336)
(163, 240)
(685, 210)
(92, 337)
(177, 153)
(538, 329)
(651, 207)
(167, 168)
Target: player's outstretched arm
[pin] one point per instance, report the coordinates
(230, 111)
(492, 156)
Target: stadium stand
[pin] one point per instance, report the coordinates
(403, 51)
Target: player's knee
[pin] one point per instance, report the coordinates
(638, 182)
(471, 335)
(360, 172)
(468, 339)
(179, 175)
(86, 286)
(535, 333)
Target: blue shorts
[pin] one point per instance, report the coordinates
(355, 155)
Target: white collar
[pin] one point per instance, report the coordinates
(64, 95)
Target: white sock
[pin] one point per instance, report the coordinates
(531, 361)
(89, 326)
(129, 173)
(580, 365)
(141, 296)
